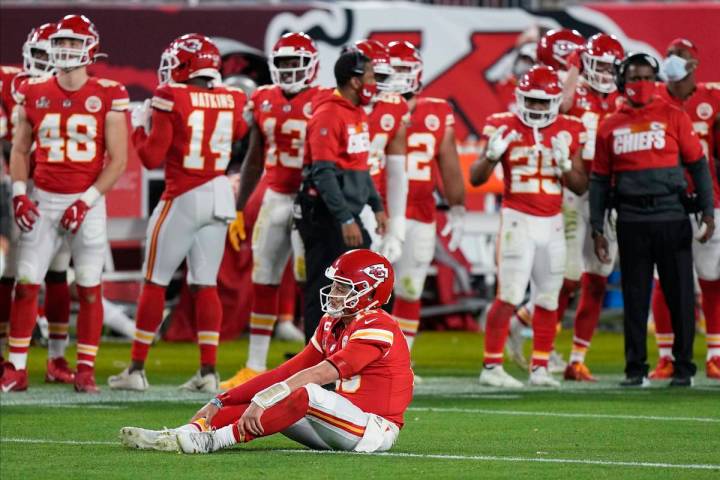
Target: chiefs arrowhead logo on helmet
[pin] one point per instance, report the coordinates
(377, 272)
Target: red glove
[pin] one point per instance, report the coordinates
(574, 59)
(25, 212)
(74, 216)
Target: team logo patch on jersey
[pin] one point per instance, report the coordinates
(266, 106)
(286, 108)
(307, 109)
(67, 103)
(42, 102)
(93, 104)
(704, 111)
(387, 122)
(377, 272)
(432, 122)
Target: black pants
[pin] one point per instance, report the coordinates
(322, 237)
(667, 245)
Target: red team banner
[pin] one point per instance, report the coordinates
(465, 50)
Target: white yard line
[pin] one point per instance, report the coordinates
(477, 458)
(523, 413)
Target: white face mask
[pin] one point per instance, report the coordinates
(674, 68)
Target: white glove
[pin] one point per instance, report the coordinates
(497, 144)
(140, 116)
(391, 245)
(561, 153)
(455, 226)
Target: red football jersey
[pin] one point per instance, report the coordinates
(591, 107)
(384, 386)
(428, 122)
(703, 107)
(530, 173)
(338, 132)
(659, 135)
(384, 117)
(283, 122)
(204, 124)
(9, 77)
(3, 122)
(69, 129)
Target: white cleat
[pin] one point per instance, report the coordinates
(287, 331)
(556, 364)
(197, 442)
(209, 383)
(161, 440)
(515, 343)
(497, 377)
(129, 381)
(540, 377)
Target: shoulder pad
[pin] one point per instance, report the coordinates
(10, 70)
(711, 85)
(106, 82)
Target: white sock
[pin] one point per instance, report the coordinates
(258, 352)
(56, 347)
(666, 352)
(713, 352)
(410, 339)
(578, 357)
(224, 436)
(19, 360)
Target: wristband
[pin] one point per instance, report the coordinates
(217, 402)
(271, 395)
(90, 196)
(19, 188)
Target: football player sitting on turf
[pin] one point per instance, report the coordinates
(356, 345)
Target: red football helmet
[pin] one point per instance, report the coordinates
(301, 49)
(406, 62)
(539, 83)
(599, 57)
(362, 279)
(189, 56)
(38, 42)
(74, 27)
(378, 54)
(556, 45)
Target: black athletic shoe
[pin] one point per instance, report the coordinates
(639, 381)
(682, 382)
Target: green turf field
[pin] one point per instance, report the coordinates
(454, 429)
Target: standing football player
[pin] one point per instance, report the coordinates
(192, 126)
(277, 146)
(431, 148)
(36, 64)
(73, 120)
(593, 98)
(702, 102)
(540, 152)
(387, 118)
(357, 346)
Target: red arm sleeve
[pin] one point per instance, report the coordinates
(152, 148)
(601, 162)
(354, 357)
(309, 357)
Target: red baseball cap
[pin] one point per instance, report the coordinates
(683, 44)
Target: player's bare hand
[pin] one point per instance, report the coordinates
(250, 420)
(602, 248)
(707, 229)
(236, 231)
(352, 236)
(382, 223)
(207, 412)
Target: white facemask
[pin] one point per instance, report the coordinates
(674, 68)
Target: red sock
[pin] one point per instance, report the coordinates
(407, 314)
(277, 418)
(711, 307)
(57, 308)
(148, 318)
(89, 326)
(264, 309)
(22, 322)
(664, 335)
(286, 296)
(588, 313)
(566, 292)
(6, 289)
(208, 316)
(544, 329)
(496, 331)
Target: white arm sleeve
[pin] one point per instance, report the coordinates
(397, 186)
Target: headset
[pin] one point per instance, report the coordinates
(621, 67)
(359, 59)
